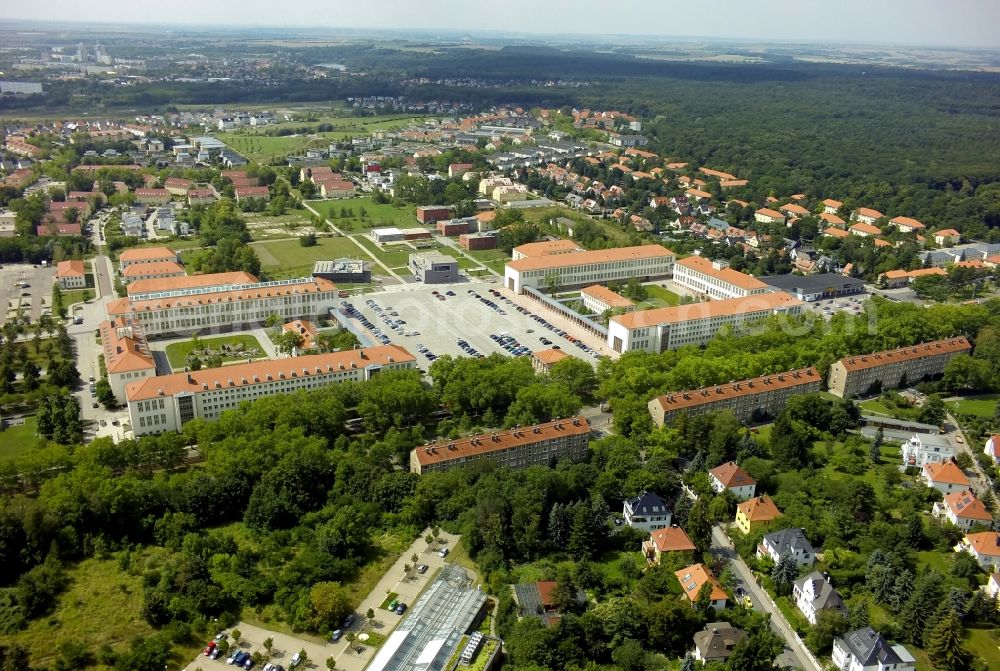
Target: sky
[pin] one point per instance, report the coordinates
(959, 23)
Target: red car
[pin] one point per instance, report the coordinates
(210, 648)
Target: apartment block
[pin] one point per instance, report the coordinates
(760, 396)
(225, 307)
(716, 279)
(540, 445)
(167, 402)
(855, 375)
(694, 324)
(591, 267)
(152, 271)
(599, 299)
(71, 275)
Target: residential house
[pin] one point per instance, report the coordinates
(201, 196)
(922, 449)
(831, 206)
(992, 586)
(693, 577)
(865, 230)
(71, 275)
(755, 513)
(948, 236)
(992, 449)
(793, 210)
(867, 215)
(963, 510)
(866, 650)
(945, 476)
(787, 542)
(252, 192)
(666, 540)
(906, 224)
(768, 216)
(833, 221)
(152, 196)
(646, 512)
(813, 594)
(984, 546)
(717, 642)
(735, 479)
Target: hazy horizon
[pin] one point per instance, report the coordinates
(930, 23)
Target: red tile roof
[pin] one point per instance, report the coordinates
(965, 505)
(696, 575)
(731, 475)
(190, 281)
(946, 472)
(671, 539)
(727, 275)
(70, 269)
(759, 509)
(155, 268)
(985, 543)
(756, 303)
(549, 356)
(590, 257)
(485, 443)
(951, 345)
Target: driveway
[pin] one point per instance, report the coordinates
(795, 653)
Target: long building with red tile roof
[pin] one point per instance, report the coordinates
(189, 282)
(126, 355)
(761, 396)
(520, 447)
(186, 309)
(127, 257)
(167, 402)
(661, 329)
(858, 374)
(716, 279)
(152, 271)
(589, 267)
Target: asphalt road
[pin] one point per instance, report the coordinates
(795, 653)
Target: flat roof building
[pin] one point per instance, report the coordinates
(715, 279)
(167, 402)
(433, 267)
(694, 324)
(759, 397)
(590, 267)
(857, 375)
(542, 444)
(343, 270)
(815, 287)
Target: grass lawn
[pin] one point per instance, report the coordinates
(178, 352)
(283, 259)
(388, 599)
(980, 406)
(543, 214)
(934, 560)
(985, 645)
(394, 257)
(491, 258)
(16, 441)
(658, 297)
(390, 546)
(102, 605)
(376, 215)
(875, 407)
(72, 296)
(262, 149)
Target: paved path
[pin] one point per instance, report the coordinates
(956, 435)
(364, 249)
(795, 652)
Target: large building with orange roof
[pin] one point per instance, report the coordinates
(856, 375)
(126, 356)
(589, 267)
(661, 329)
(167, 402)
(226, 306)
(963, 510)
(135, 255)
(189, 282)
(715, 279)
(152, 271)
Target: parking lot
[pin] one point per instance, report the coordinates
(347, 656)
(433, 320)
(39, 289)
(830, 306)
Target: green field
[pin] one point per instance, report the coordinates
(394, 257)
(985, 645)
(282, 259)
(71, 296)
(491, 258)
(261, 148)
(16, 441)
(980, 406)
(658, 297)
(178, 352)
(376, 215)
(102, 605)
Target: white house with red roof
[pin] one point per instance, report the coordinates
(735, 479)
(867, 215)
(992, 449)
(948, 236)
(946, 477)
(984, 546)
(71, 275)
(963, 510)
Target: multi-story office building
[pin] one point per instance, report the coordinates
(857, 375)
(130, 257)
(126, 356)
(762, 396)
(591, 267)
(715, 279)
(433, 267)
(189, 282)
(540, 445)
(693, 324)
(225, 307)
(545, 248)
(167, 402)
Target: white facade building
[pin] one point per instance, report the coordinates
(590, 267)
(716, 279)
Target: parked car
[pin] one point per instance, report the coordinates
(443, 552)
(336, 635)
(212, 645)
(400, 608)
(422, 568)
(348, 621)
(296, 658)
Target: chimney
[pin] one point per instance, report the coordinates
(190, 379)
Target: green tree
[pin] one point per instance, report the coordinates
(875, 451)
(583, 537)
(757, 652)
(784, 573)
(933, 410)
(944, 644)
(288, 342)
(629, 656)
(329, 604)
(789, 442)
